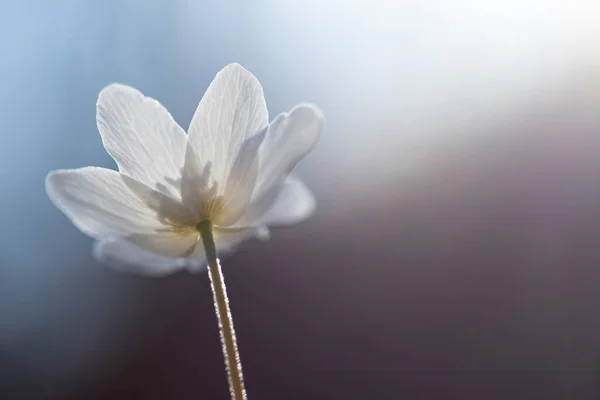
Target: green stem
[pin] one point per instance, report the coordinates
(226, 330)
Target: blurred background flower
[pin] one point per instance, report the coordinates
(455, 247)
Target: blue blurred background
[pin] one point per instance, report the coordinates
(455, 250)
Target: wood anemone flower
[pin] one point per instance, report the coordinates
(231, 170)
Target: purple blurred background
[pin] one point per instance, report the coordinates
(455, 252)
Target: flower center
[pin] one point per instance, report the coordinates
(212, 208)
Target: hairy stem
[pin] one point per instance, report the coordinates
(226, 330)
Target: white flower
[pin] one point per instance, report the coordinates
(231, 168)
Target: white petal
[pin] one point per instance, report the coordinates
(123, 255)
(168, 243)
(284, 204)
(290, 137)
(241, 180)
(228, 239)
(232, 109)
(168, 210)
(101, 202)
(142, 137)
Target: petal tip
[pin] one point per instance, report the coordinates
(295, 204)
(53, 180)
(263, 233)
(235, 66)
(308, 110)
(194, 265)
(244, 76)
(115, 87)
(310, 202)
(113, 91)
(48, 181)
